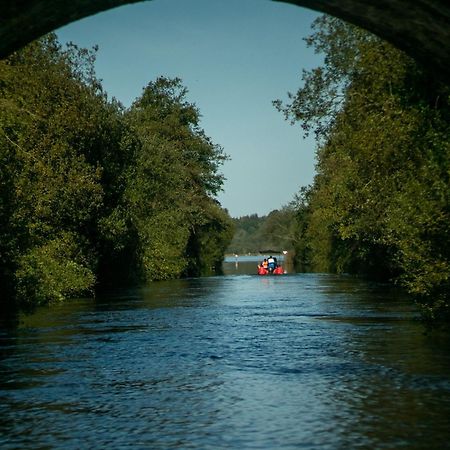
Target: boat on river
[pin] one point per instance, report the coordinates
(270, 266)
(277, 271)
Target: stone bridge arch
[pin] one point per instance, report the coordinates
(419, 27)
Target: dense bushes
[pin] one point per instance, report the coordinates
(91, 192)
(379, 204)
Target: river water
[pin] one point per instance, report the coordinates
(298, 361)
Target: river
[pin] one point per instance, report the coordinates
(297, 361)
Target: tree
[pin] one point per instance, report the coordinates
(379, 205)
(170, 193)
(91, 193)
(50, 192)
(255, 234)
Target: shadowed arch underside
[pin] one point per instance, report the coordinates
(419, 27)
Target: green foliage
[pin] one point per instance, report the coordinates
(209, 241)
(379, 205)
(90, 193)
(48, 188)
(163, 238)
(247, 238)
(53, 272)
(254, 234)
(178, 227)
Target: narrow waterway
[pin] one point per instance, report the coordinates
(231, 362)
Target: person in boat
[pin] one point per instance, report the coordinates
(271, 264)
(263, 268)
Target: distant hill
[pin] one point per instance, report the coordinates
(255, 234)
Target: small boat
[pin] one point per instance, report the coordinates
(270, 267)
(277, 271)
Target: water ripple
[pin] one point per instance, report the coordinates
(304, 361)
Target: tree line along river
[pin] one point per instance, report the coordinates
(236, 361)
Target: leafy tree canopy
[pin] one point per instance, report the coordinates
(379, 204)
(91, 193)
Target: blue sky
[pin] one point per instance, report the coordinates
(235, 57)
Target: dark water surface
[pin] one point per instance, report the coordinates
(239, 361)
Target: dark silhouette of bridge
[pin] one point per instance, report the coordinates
(419, 27)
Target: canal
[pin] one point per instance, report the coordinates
(298, 361)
